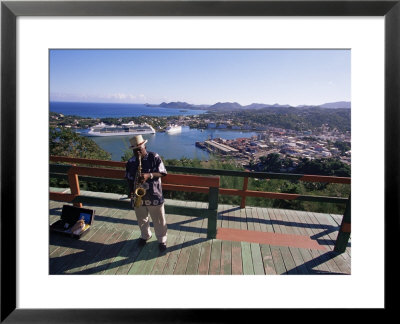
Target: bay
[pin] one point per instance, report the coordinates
(169, 146)
(117, 110)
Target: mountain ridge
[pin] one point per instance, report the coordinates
(236, 106)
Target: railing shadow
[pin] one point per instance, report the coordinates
(307, 268)
(172, 226)
(277, 222)
(324, 241)
(95, 253)
(182, 225)
(328, 229)
(229, 210)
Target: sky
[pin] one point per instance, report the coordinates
(293, 77)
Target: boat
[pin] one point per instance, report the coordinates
(173, 129)
(130, 128)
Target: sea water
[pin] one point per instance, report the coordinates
(169, 146)
(117, 110)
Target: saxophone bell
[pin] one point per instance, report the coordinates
(139, 193)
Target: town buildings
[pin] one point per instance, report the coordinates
(287, 143)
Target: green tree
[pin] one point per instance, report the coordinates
(343, 147)
(328, 167)
(64, 142)
(273, 162)
(127, 155)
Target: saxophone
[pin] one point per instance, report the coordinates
(139, 191)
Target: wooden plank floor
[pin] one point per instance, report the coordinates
(110, 247)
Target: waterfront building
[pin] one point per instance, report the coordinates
(220, 148)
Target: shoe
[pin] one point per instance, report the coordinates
(162, 247)
(142, 242)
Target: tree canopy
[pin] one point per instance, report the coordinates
(273, 162)
(64, 142)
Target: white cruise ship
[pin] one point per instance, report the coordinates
(125, 129)
(173, 129)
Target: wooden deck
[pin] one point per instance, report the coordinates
(281, 242)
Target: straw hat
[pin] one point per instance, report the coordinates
(137, 141)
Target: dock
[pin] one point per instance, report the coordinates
(220, 148)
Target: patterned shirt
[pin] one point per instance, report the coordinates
(151, 163)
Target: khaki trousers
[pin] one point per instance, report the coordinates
(157, 215)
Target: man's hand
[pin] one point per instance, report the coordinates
(145, 177)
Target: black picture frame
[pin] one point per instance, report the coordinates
(10, 10)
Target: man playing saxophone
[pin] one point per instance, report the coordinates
(144, 172)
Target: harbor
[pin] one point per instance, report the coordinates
(193, 137)
(175, 145)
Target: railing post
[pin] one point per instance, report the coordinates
(345, 230)
(245, 185)
(212, 217)
(74, 184)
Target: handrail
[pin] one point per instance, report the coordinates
(260, 175)
(55, 158)
(243, 193)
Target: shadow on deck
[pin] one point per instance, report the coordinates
(281, 242)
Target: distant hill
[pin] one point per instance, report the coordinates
(229, 106)
(179, 104)
(236, 106)
(225, 106)
(255, 106)
(294, 118)
(260, 106)
(278, 106)
(338, 104)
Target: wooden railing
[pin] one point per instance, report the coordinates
(184, 182)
